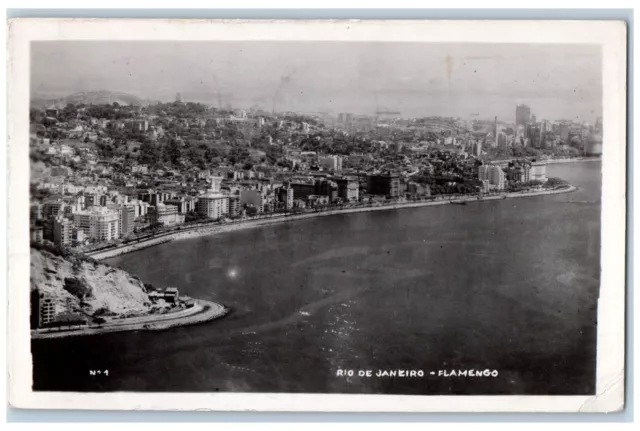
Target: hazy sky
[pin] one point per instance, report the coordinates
(557, 81)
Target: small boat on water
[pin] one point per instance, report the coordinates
(458, 202)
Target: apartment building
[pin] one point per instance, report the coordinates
(98, 223)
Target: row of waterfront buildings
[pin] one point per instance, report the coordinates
(495, 177)
(97, 214)
(78, 215)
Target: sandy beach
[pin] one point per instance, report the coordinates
(574, 160)
(193, 232)
(553, 161)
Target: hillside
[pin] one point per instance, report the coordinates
(90, 98)
(86, 287)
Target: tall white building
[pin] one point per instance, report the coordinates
(497, 177)
(494, 175)
(98, 223)
(213, 204)
(166, 215)
(538, 171)
(331, 162)
(484, 172)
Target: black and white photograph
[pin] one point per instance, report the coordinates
(341, 217)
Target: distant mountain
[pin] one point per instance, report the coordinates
(91, 98)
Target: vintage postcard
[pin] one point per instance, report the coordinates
(317, 215)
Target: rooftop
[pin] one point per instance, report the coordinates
(213, 195)
(97, 210)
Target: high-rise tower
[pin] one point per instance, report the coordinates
(523, 115)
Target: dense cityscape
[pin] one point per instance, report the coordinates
(107, 172)
(260, 215)
(109, 169)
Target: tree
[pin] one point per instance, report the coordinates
(554, 182)
(156, 226)
(239, 155)
(105, 150)
(149, 153)
(251, 210)
(172, 151)
(274, 153)
(193, 216)
(67, 319)
(69, 112)
(210, 154)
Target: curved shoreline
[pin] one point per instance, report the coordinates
(202, 311)
(555, 161)
(249, 224)
(573, 160)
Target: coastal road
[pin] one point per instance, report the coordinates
(202, 311)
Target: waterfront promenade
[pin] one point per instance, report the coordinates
(216, 228)
(202, 311)
(504, 162)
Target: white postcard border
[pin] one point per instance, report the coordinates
(611, 36)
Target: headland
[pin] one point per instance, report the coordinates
(201, 311)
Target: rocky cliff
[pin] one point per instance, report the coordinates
(86, 287)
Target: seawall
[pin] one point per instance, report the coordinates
(202, 311)
(231, 227)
